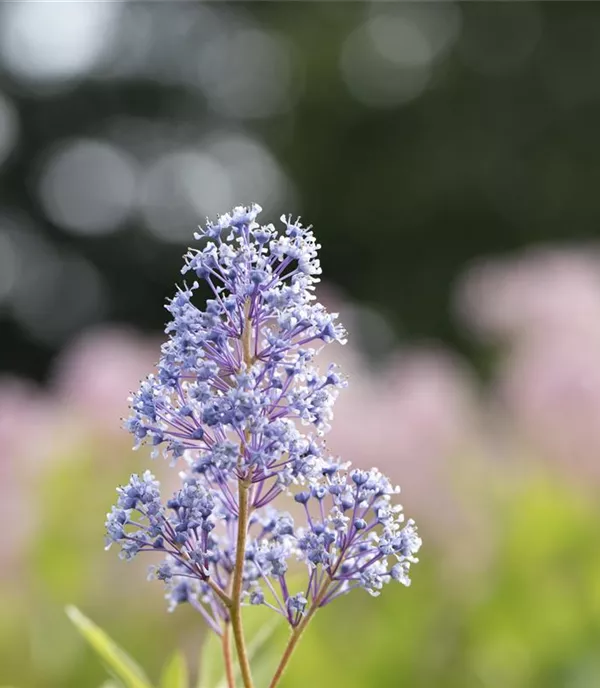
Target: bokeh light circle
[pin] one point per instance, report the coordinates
(382, 70)
(88, 186)
(49, 43)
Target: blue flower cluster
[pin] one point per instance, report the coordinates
(351, 536)
(239, 404)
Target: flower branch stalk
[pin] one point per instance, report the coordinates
(236, 594)
(244, 485)
(227, 657)
(225, 599)
(297, 634)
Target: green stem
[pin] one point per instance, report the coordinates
(244, 485)
(297, 634)
(236, 591)
(247, 336)
(227, 658)
(225, 599)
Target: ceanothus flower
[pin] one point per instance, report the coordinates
(239, 405)
(244, 363)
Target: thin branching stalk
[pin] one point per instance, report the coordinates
(225, 599)
(227, 657)
(236, 593)
(297, 634)
(242, 533)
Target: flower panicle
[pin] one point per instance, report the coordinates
(238, 400)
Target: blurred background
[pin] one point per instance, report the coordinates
(447, 155)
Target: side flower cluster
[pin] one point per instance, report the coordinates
(350, 536)
(240, 407)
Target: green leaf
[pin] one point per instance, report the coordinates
(211, 662)
(175, 673)
(116, 659)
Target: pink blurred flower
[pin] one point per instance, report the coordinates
(96, 374)
(545, 307)
(542, 289)
(412, 419)
(26, 420)
(551, 387)
(414, 414)
(27, 439)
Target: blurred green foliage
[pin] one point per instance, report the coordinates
(523, 612)
(530, 618)
(116, 660)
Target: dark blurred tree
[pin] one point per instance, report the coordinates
(500, 150)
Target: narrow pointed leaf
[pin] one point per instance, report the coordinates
(116, 660)
(211, 668)
(175, 673)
